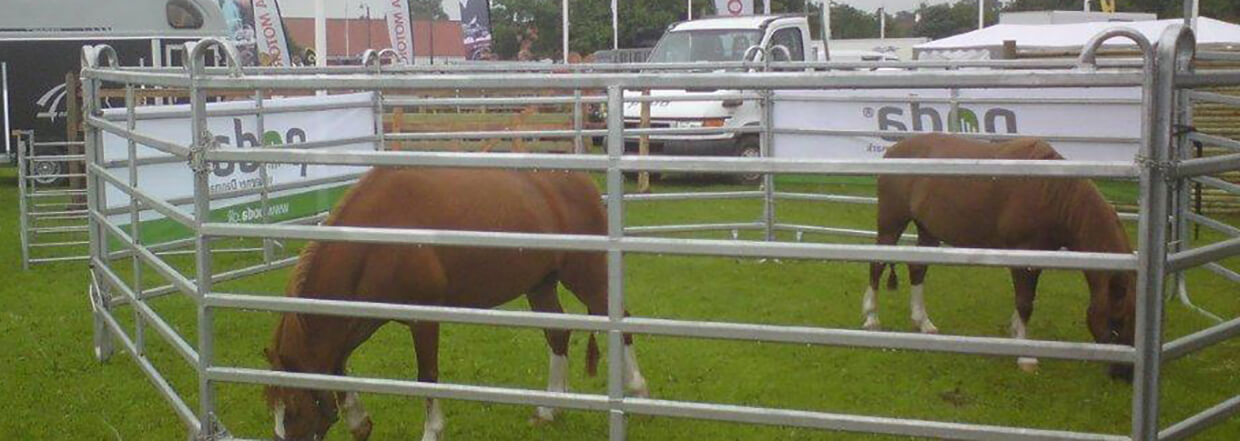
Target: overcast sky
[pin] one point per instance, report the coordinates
(351, 8)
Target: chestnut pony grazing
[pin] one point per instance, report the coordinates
(476, 200)
(1010, 213)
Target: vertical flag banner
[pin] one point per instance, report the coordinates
(734, 8)
(239, 16)
(476, 28)
(400, 29)
(272, 46)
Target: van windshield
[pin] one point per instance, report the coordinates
(704, 45)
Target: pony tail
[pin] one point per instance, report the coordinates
(592, 356)
(893, 282)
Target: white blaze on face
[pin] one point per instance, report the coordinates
(280, 434)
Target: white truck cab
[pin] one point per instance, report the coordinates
(718, 39)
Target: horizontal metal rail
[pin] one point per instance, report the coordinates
(491, 101)
(1213, 97)
(1203, 254)
(826, 198)
(57, 158)
(1217, 56)
(681, 246)
(168, 147)
(705, 195)
(168, 210)
(59, 259)
(182, 283)
(445, 391)
(1223, 271)
(57, 144)
(165, 330)
(59, 244)
(852, 423)
(1213, 224)
(1207, 78)
(680, 328)
(500, 134)
(655, 80)
(164, 290)
(919, 167)
(792, 96)
(989, 136)
(1215, 140)
(689, 228)
(55, 193)
(830, 231)
(1206, 166)
(55, 176)
(1201, 339)
(1201, 421)
(37, 214)
(168, 112)
(1218, 183)
(68, 229)
(161, 384)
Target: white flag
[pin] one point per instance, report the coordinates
(734, 8)
(400, 29)
(272, 46)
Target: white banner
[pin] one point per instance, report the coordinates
(350, 116)
(272, 46)
(1112, 116)
(733, 8)
(400, 29)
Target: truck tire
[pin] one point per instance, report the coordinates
(749, 148)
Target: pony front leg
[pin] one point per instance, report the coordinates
(917, 308)
(1025, 282)
(355, 415)
(426, 348)
(634, 382)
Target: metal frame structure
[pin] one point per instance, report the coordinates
(1161, 173)
(50, 224)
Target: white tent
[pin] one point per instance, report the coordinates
(987, 43)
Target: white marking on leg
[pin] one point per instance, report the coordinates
(917, 304)
(1027, 364)
(634, 383)
(557, 381)
(279, 421)
(354, 413)
(869, 308)
(433, 428)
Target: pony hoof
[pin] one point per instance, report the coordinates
(362, 431)
(872, 324)
(642, 392)
(542, 417)
(1027, 364)
(929, 328)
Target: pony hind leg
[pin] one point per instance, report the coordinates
(355, 415)
(585, 275)
(890, 228)
(1025, 282)
(543, 298)
(426, 349)
(917, 279)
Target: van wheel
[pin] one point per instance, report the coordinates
(749, 149)
(43, 172)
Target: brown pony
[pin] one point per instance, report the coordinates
(1010, 213)
(476, 200)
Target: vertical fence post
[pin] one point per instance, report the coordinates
(264, 195)
(95, 206)
(766, 150)
(643, 143)
(579, 145)
(135, 228)
(615, 263)
(22, 207)
(202, 140)
(1152, 231)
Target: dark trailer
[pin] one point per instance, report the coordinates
(41, 41)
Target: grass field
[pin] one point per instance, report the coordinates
(51, 388)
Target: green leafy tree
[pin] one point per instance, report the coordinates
(424, 9)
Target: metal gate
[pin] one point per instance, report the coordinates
(1161, 169)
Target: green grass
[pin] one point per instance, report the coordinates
(52, 388)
